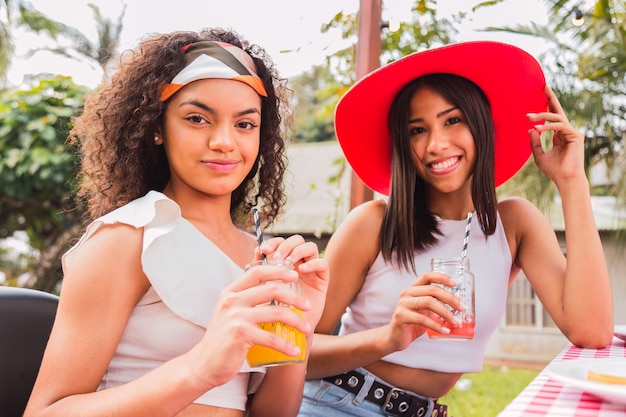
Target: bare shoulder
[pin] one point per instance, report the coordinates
(110, 239)
(524, 225)
(110, 260)
(350, 252)
(364, 222)
(371, 212)
(102, 283)
(358, 235)
(516, 211)
(104, 279)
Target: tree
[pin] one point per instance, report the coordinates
(15, 14)
(102, 51)
(19, 13)
(314, 104)
(319, 90)
(586, 66)
(36, 169)
(6, 44)
(35, 165)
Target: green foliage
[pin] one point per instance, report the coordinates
(35, 164)
(319, 89)
(586, 67)
(332, 218)
(81, 46)
(6, 42)
(20, 13)
(424, 30)
(488, 392)
(38, 22)
(317, 94)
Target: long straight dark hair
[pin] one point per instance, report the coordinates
(408, 225)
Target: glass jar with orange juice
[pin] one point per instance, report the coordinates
(264, 356)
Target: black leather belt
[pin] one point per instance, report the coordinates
(392, 401)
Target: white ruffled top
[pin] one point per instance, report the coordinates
(187, 271)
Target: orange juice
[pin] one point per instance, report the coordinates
(264, 356)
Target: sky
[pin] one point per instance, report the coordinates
(290, 30)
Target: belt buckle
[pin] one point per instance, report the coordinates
(401, 408)
(388, 405)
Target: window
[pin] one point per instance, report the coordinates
(523, 307)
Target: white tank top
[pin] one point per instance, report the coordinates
(490, 262)
(186, 272)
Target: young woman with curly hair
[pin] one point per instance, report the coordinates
(157, 312)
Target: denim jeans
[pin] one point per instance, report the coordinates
(323, 399)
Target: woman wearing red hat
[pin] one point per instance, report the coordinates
(437, 132)
(157, 311)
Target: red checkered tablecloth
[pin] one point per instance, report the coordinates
(547, 397)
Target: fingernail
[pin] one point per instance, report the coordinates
(277, 255)
(445, 330)
(530, 114)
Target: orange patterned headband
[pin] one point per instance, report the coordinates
(210, 59)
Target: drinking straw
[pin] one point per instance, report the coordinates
(259, 233)
(468, 225)
(259, 238)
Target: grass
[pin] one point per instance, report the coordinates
(485, 394)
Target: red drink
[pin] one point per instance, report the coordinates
(458, 269)
(463, 331)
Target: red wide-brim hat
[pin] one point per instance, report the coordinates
(512, 80)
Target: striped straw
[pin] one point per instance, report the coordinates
(259, 233)
(468, 225)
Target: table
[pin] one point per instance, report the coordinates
(546, 397)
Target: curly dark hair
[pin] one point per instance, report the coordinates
(114, 134)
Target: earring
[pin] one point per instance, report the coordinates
(156, 138)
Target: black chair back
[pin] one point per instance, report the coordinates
(26, 318)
